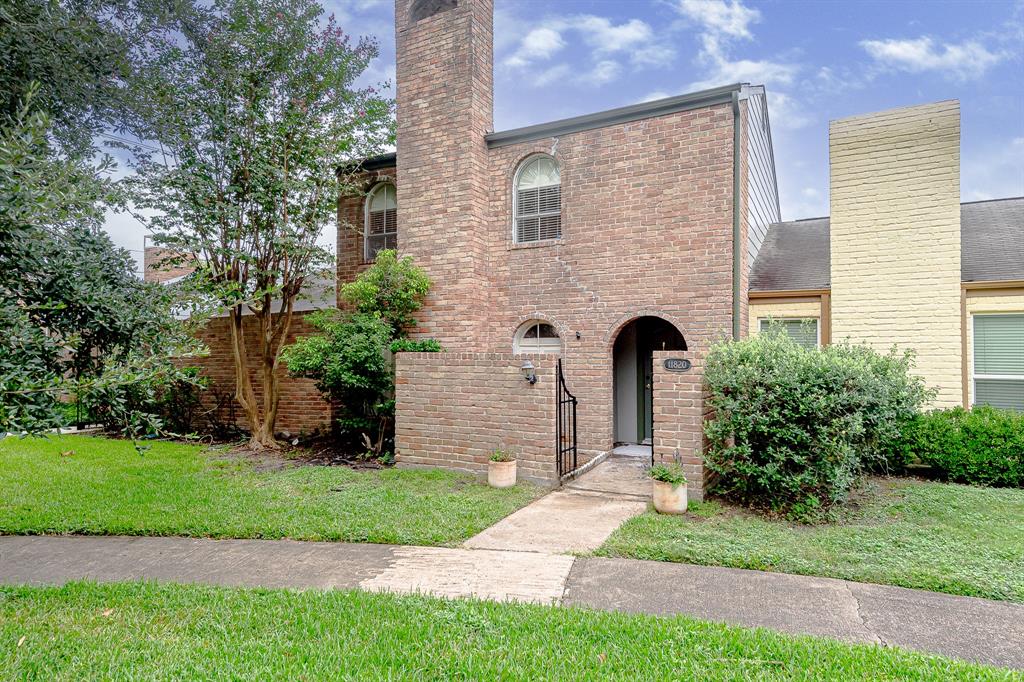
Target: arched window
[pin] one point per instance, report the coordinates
(536, 336)
(538, 200)
(381, 220)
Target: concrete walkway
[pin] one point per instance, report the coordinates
(578, 517)
(974, 629)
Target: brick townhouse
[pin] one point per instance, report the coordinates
(583, 268)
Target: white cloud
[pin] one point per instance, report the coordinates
(604, 36)
(960, 61)
(559, 72)
(537, 45)
(634, 39)
(717, 16)
(605, 71)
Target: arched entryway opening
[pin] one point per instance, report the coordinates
(633, 363)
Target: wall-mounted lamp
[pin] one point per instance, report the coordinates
(529, 373)
(578, 336)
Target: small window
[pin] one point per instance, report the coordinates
(803, 330)
(538, 200)
(999, 361)
(537, 336)
(381, 220)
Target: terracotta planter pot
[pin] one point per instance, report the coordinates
(501, 474)
(669, 499)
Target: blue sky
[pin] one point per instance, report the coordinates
(818, 60)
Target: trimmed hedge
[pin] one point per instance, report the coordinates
(983, 446)
(793, 428)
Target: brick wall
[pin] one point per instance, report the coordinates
(157, 269)
(646, 230)
(679, 415)
(444, 98)
(454, 409)
(301, 408)
(895, 236)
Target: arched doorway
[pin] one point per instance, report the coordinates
(633, 362)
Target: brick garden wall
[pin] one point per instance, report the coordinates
(679, 415)
(454, 409)
(301, 409)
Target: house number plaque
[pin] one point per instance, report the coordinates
(677, 364)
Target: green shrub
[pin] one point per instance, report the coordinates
(392, 287)
(415, 346)
(983, 446)
(793, 428)
(668, 473)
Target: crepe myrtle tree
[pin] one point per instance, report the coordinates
(254, 109)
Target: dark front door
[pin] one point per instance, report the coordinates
(645, 409)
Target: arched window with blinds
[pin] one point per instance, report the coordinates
(538, 200)
(381, 220)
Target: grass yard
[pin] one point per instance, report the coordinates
(934, 536)
(145, 631)
(106, 488)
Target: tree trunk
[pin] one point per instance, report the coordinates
(261, 434)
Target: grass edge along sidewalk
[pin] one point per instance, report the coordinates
(144, 630)
(99, 486)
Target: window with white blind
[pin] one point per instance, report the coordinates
(999, 360)
(538, 200)
(381, 220)
(803, 330)
(536, 336)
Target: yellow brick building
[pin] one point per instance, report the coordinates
(900, 261)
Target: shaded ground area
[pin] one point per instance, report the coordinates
(78, 484)
(974, 629)
(935, 536)
(138, 631)
(579, 517)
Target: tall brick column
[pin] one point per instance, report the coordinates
(679, 417)
(445, 103)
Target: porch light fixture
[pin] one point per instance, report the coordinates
(529, 373)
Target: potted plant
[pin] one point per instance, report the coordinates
(669, 488)
(501, 470)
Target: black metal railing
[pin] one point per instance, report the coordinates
(565, 431)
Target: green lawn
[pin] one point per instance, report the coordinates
(145, 631)
(105, 487)
(934, 536)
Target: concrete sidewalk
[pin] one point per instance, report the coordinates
(964, 627)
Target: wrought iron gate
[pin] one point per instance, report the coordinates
(565, 431)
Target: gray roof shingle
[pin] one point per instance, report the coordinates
(992, 240)
(795, 254)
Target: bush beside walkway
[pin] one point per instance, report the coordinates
(934, 536)
(98, 486)
(133, 631)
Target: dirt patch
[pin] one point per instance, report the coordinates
(321, 452)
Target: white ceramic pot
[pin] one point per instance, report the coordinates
(501, 474)
(669, 499)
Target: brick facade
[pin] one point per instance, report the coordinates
(302, 410)
(679, 415)
(457, 408)
(647, 210)
(156, 265)
(895, 237)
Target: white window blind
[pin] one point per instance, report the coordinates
(999, 361)
(381, 220)
(536, 336)
(538, 201)
(804, 330)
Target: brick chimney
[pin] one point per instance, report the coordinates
(156, 267)
(445, 108)
(895, 236)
